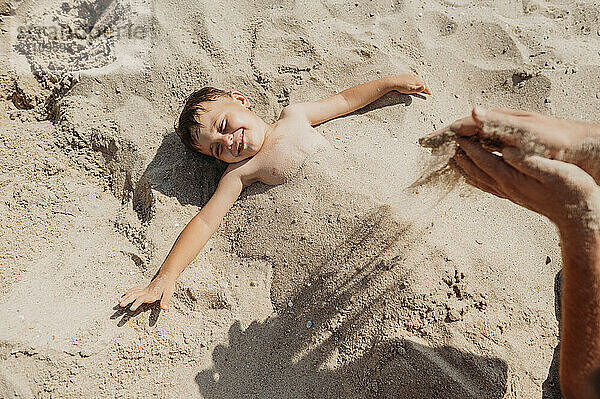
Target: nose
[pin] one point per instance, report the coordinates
(227, 140)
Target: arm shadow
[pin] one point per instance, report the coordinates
(391, 99)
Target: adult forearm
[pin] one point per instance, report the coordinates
(585, 151)
(189, 243)
(580, 335)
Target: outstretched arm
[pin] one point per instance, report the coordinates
(189, 243)
(356, 97)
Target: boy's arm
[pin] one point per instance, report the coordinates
(356, 97)
(191, 240)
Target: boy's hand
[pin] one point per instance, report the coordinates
(409, 83)
(160, 288)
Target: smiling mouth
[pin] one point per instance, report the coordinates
(241, 144)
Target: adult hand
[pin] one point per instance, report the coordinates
(570, 141)
(522, 169)
(561, 191)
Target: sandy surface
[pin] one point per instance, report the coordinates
(344, 282)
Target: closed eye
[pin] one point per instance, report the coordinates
(223, 126)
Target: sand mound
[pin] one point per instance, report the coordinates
(341, 283)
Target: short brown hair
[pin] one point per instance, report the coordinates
(193, 106)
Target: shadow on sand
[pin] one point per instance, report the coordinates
(261, 362)
(355, 329)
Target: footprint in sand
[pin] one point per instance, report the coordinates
(484, 44)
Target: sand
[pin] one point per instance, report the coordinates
(347, 281)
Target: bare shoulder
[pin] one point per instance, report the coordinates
(293, 112)
(246, 171)
(260, 168)
(292, 140)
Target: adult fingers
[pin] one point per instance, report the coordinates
(489, 163)
(475, 176)
(498, 125)
(482, 186)
(465, 126)
(461, 127)
(543, 169)
(469, 126)
(437, 138)
(533, 166)
(509, 111)
(166, 298)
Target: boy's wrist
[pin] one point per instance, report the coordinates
(167, 275)
(395, 82)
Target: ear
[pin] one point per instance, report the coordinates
(240, 98)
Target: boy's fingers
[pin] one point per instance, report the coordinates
(140, 300)
(166, 298)
(489, 163)
(413, 89)
(134, 289)
(422, 89)
(127, 299)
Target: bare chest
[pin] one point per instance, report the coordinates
(284, 156)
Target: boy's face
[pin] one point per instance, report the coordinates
(230, 131)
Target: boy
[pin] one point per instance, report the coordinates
(219, 124)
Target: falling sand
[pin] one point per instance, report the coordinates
(443, 171)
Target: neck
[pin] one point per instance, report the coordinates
(268, 129)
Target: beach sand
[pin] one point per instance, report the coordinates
(348, 281)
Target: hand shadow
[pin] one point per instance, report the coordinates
(127, 314)
(419, 95)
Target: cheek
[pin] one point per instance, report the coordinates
(237, 121)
